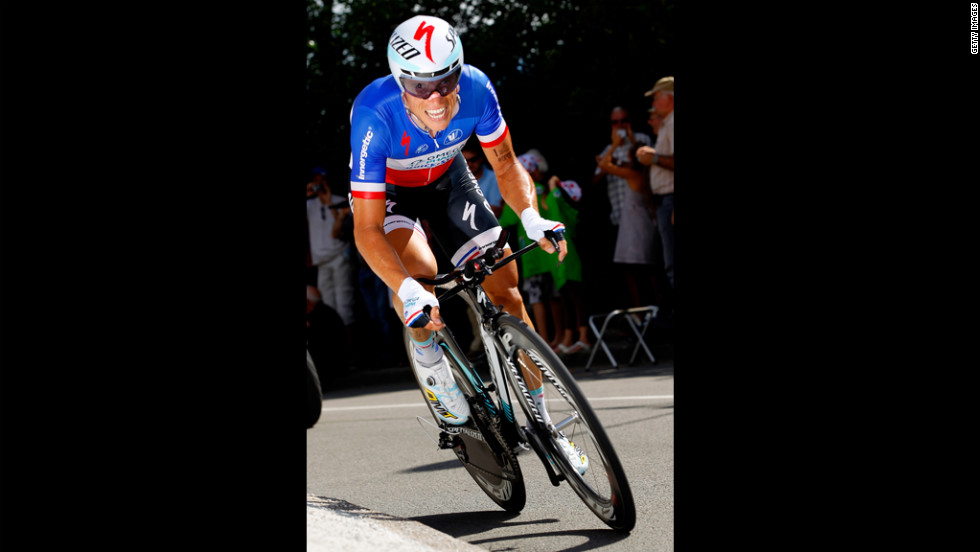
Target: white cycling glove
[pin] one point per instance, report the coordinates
(414, 298)
(535, 226)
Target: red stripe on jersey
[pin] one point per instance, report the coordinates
(368, 195)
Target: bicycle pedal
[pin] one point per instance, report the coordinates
(520, 448)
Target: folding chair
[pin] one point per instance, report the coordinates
(650, 311)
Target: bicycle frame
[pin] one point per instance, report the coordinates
(472, 275)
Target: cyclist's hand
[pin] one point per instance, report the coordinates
(535, 227)
(420, 309)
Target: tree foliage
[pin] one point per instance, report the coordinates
(559, 67)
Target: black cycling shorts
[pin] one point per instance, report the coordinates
(454, 209)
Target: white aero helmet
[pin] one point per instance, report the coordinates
(425, 55)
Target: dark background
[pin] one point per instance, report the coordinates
(152, 330)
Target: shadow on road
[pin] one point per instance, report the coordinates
(594, 538)
(438, 466)
(465, 524)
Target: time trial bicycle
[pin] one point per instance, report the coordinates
(489, 442)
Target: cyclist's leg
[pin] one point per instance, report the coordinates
(468, 230)
(410, 244)
(501, 286)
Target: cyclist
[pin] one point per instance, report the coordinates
(407, 130)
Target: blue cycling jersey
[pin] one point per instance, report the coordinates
(388, 147)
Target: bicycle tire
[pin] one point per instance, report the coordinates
(314, 393)
(494, 468)
(605, 491)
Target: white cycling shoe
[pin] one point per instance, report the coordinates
(575, 456)
(442, 393)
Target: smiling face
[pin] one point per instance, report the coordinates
(436, 111)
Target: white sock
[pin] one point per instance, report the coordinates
(538, 396)
(428, 353)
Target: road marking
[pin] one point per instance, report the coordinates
(422, 404)
(371, 407)
(631, 398)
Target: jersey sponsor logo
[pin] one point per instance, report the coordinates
(453, 136)
(406, 141)
(432, 160)
(422, 149)
(364, 148)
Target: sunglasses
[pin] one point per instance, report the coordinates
(424, 89)
(618, 121)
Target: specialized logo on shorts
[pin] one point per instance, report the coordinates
(389, 205)
(469, 212)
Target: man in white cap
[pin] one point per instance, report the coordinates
(660, 158)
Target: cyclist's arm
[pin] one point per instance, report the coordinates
(372, 243)
(516, 186)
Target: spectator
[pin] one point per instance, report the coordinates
(663, 284)
(325, 214)
(560, 204)
(485, 177)
(635, 241)
(617, 192)
(660, 159)
(536, 266)
(555, 303)
(616, 185)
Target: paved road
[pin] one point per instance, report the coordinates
(369, 452)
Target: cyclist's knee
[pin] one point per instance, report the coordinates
(509, 297)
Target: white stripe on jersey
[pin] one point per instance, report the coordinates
(356, 186)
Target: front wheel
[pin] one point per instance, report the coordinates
(603, 487)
